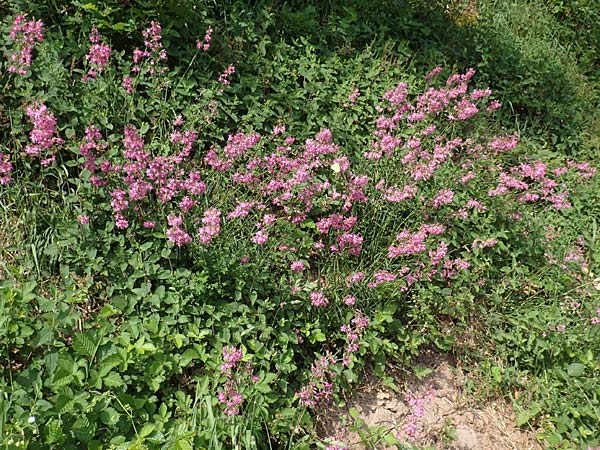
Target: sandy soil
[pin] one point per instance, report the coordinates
(441, 415)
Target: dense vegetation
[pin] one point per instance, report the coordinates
(218, 216)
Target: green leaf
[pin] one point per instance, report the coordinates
(183, 444)
(109, 416)
(522, 418)
(497, 374)
(421, 372)
(147, 430)
(84, 345)
(263, 384)
(575, 370)
(113, 379)
(108, 363)
(53, 431)
(188, 356)
(51, 250)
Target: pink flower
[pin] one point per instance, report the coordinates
(350, 242)
(44, 128)
(260, 237)
(231, 355)
(120, 221)
(212, 226)
(6, 169)
(178, 236)
(352, 98)
(205, 43)
(503, 144)
(494, 105)
(127, 84)
(83, 219)
(98, 55)
(224, 77)
(278, 129)
(349, 300)
(318, 299)
(154, 51)
(297, 266)
(356, 277)
(381, 276)
(178, 121)
(435, 72)
(25, 34)
(444, 197)
(241, 210)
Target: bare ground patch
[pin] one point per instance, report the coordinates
(432, 412)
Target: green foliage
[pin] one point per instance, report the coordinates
(116, 337)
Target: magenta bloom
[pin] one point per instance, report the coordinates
(25, 34)
(205, 43)
(318, 299)
(6, 169)
(231, 355)
(297, 266)
(260, 237)
(98, 55)
(42, 135)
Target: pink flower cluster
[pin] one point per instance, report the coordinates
(43, 135)
(26, 34)
(154, 52)
(237, 146)
(320, 386)
(297, 266)
(224, 77)
(289, 182)
(211, 226)
(229, 396)
(416, 403)
(6, 169)
(533, 182)
(140, 174)
(176, 233)
(205, 43)
(98, 55)
(352, 98)
(353, 332)
(414, 243)
(318, 299)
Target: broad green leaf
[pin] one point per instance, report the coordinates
(575, 369)
(84, 345)
(113, 379)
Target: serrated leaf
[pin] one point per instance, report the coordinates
(108, 363)
(183, 444)
(84, 345)
(62, 378)
(113, 379)
(53, 431)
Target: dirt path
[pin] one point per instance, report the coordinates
(432, 413)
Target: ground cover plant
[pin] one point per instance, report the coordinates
(212, 227)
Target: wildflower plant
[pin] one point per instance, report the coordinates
(220, 269)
